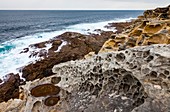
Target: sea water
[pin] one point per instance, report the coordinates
(19, 29)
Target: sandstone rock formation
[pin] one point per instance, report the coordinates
(77, 45)
(130, 73)
(136, 79)
(151, 28)
(65, 47)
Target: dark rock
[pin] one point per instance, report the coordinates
(119, 26)
(79, 45)
(44, 90)
(162, 10)
(164, 16)
(10, 88)
(25, 50)
(39, 45)
(1, 81)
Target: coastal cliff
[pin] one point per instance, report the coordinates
(123, 71)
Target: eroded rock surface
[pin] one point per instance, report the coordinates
(136, 79)
(129, 74)
(75, 47)
(150, 28)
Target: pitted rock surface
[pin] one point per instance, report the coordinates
(153, 27)
(122, 80)
(129, 74)
(135, 79)
(78, 45)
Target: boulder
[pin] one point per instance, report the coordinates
(10, 87)
(77, 47)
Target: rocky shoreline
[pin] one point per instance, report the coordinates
(118, 71)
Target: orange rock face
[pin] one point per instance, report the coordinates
(44, 90)
(153, 27)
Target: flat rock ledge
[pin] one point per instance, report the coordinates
(131, 80)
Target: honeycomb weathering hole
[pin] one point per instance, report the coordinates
(121, 81)
(44, 90)
(146, 53)
(51, 101)
(36, 106)
(55, 80)
(166, 72)
(120, 57)
(133, 88)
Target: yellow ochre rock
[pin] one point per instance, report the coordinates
(153, 27)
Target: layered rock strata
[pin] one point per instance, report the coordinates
(151, 28)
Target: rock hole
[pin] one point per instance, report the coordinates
(146, 53)
(161, 75)
(36, 106)
(109, 55)
(51, 101)
(169, 78)
(95, 69)
(55, 80)
(100, 71)
(126, 52)
(135, 95)
(150, 58)
(164, 85)
(145, 70)
(120, 57)
(166, 72)
(153, 74)
(126, 88)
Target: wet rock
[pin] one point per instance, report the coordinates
(25, 50)
(39, 45)
(10, 87)
(78, 46)
(117, 77)
(119, 26)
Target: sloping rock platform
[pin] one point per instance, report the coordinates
(129, 73)
(136, 79)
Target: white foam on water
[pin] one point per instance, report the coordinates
(63, 44)
(12, 60)
(87, 28)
